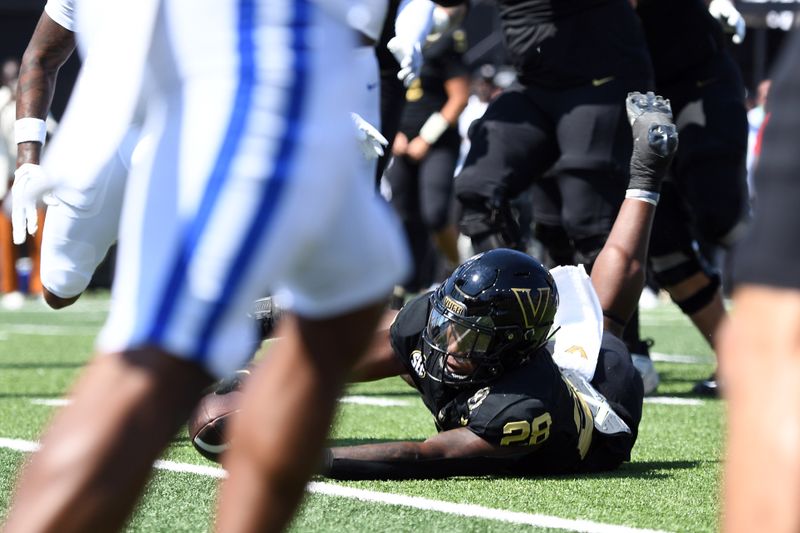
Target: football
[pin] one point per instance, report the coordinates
(208, 421)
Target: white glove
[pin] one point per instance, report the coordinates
(370, 140)
(30, 184)
(731, 20)
(410, 58)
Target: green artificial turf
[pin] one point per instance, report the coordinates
(671, 484)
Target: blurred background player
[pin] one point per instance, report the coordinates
(82, 220)
(704, 200)
(561, 126)
(11, 288)
(211, 220)
(756, 120)
(425, 153)
(759, 350)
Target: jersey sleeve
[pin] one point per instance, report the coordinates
(62, 12)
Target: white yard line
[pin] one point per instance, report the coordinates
(389, 402)
(388, 498)
(49, 330)
(681, 358)
(372, 400)
(672, 400)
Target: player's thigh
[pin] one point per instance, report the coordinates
(253, 164)
(510, 145)
(592, 129)
(710, 171)
(354, 264)
(76, 240)
(403, 179)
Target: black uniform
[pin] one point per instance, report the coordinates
(705, 194)
(769, 255)
(531, 407)
(422, 191)
(576, 62)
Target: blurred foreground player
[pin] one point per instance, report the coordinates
(504, 400)
(210, 221)
(760, 346)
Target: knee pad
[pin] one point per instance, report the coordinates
(701, 298)
(490, 224)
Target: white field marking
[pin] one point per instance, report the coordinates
(387, 498)
(53, 402)
(370, 400)
(30, 329)
(671, 400)
(386, 402)
(680, 358)
(362, 400)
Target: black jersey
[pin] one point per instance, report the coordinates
(562, 43)
(426, 95)
(682, 36)
(532, 408)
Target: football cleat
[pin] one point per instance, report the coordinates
(708, 387)
(640, 355)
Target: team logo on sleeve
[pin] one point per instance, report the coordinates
(417, 363)
(477, 399)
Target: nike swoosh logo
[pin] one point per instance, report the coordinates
(597, 82)
(703, 83)
(371, 86)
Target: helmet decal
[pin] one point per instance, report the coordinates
(531, 312)
(454, 306)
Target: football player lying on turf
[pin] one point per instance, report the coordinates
(504, 399)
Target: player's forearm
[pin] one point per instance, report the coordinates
(618, 274)
(457, 97)
(399, 460)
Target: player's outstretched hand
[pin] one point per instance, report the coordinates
(30, 184)
(655, 139)
(370, 140)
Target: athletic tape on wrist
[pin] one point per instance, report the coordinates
(643, 196)
(433, 128)
(30, 129)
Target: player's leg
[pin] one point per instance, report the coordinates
(760, 347)
(314, 356)
(78, 232)
(510, 145)
(760, 366)
(98, 452)
(592, 174)
(334, 296)
(436, 196)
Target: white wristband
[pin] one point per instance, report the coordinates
(433, 128)
(30, 129)
(643, 196)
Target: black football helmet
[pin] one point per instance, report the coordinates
(489, 316)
